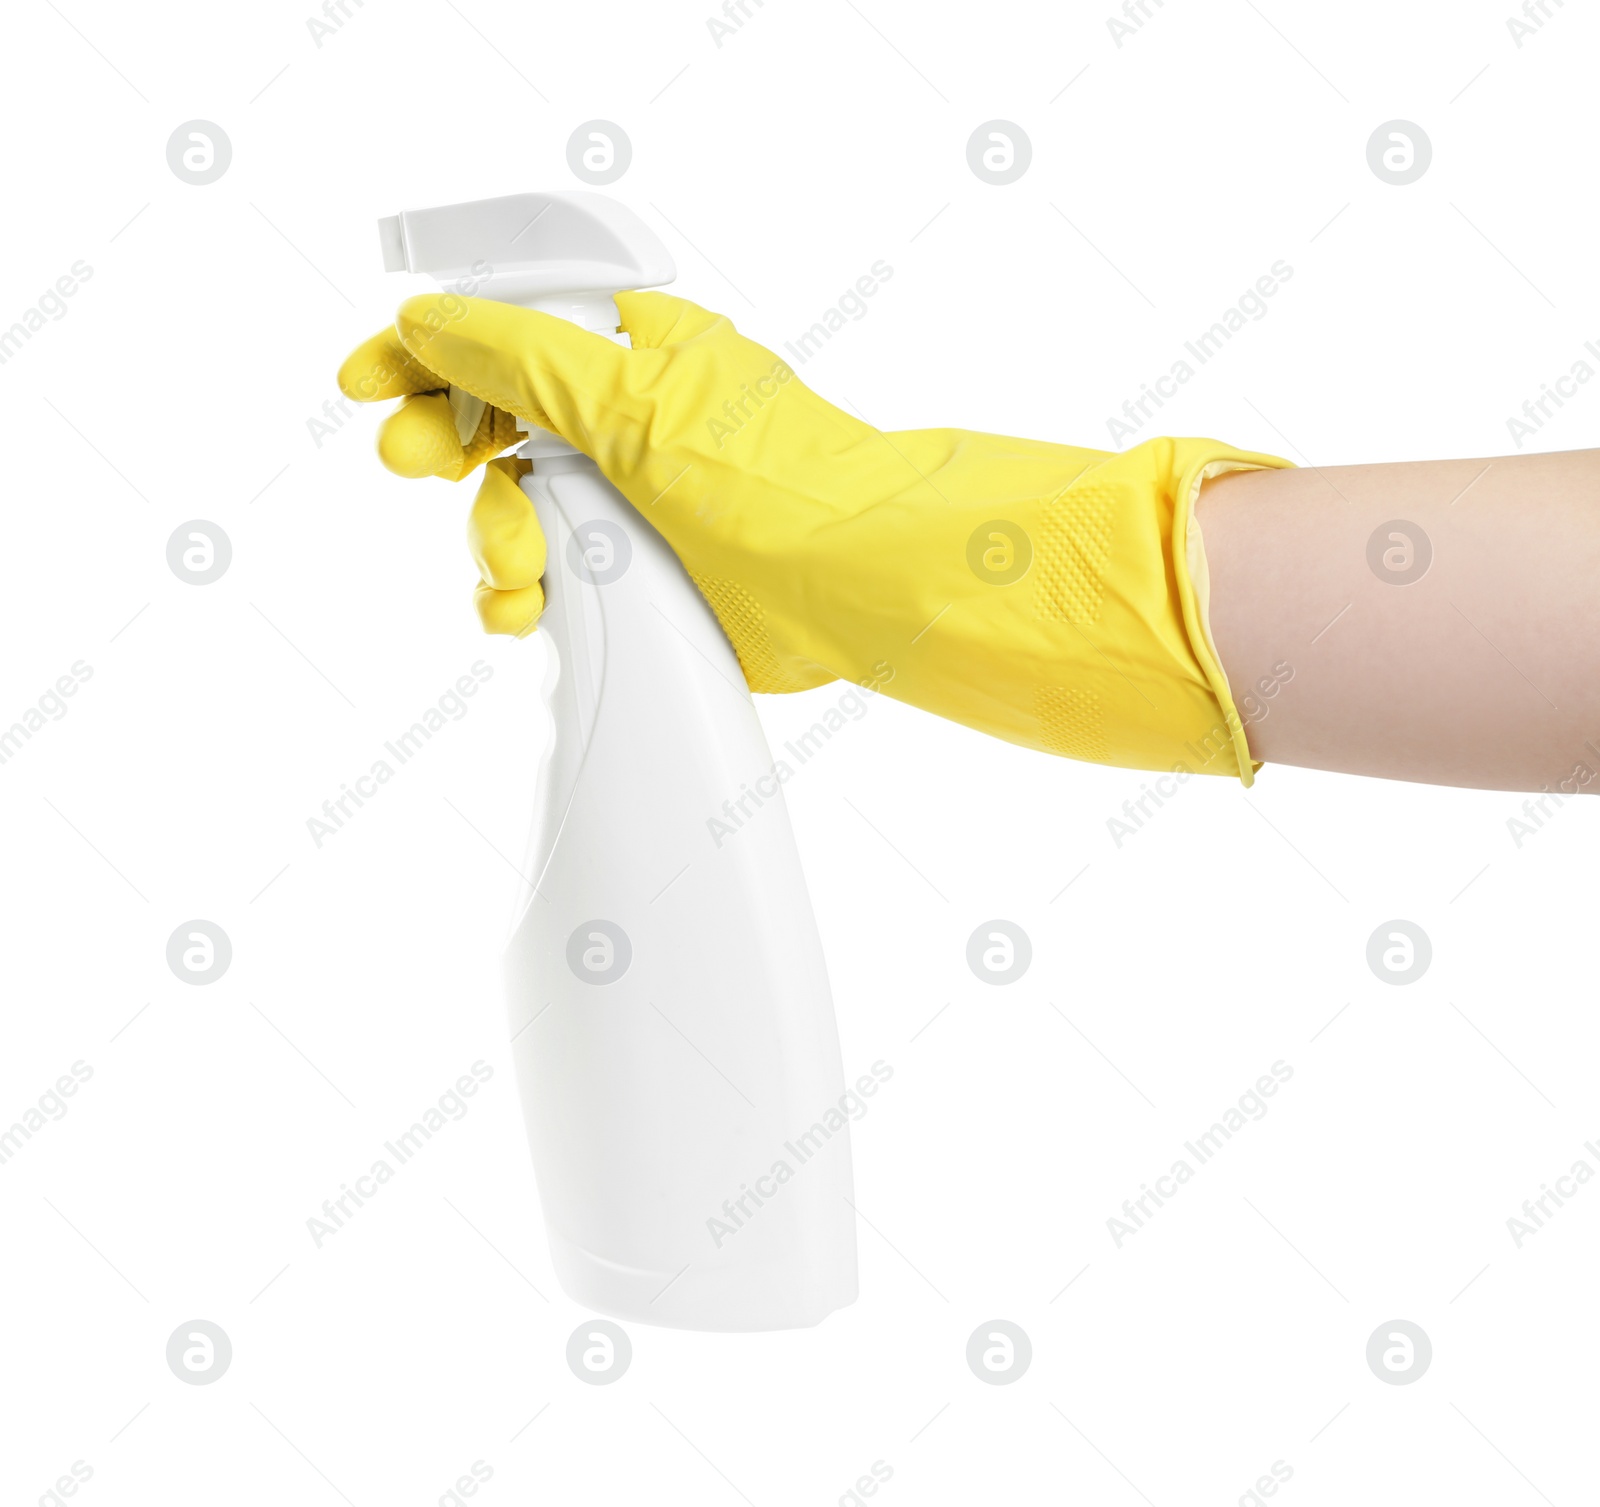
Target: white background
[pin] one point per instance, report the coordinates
(1167, 175)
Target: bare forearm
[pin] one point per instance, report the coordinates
(1440, 620)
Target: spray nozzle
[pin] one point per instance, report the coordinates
(564, 254)
(541, 250)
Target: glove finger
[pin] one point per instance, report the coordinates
(652, 320)
(419, 438)
(513, 612)
(382, 367)
(541, 368)
(503, 531)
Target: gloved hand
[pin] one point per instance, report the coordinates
(1049, 595)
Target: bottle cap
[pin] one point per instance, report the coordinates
(564, 254)
(532, 249)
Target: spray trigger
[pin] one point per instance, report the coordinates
(468, 411)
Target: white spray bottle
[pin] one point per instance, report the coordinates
(674, 1033)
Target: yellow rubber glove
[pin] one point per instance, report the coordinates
(1046, 594)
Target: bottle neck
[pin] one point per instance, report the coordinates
(554, 462)
(589, 309)
(593, 310)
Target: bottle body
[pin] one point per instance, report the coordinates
(672, 1022)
